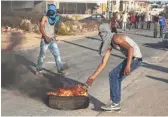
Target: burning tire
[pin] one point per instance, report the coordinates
(69, 98)
(68, 102)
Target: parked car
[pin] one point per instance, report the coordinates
(95, 17)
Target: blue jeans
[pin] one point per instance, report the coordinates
(161, 30)
(115, 78)
(53, 49)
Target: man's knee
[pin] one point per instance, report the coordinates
(56, 54)
(113, 75)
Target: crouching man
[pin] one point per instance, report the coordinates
(132, 61)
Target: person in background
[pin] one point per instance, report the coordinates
(119, 17)
(133, 19)
(142, 20)
(124, 21)
(114, 23)
(162, 22)
(149, 20)
(156, 23)
(129, 21)
(137, 20)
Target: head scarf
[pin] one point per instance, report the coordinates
(106, 36)
(51, 13)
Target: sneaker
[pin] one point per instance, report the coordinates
(39, 72)
(111, 107)
(62, 73)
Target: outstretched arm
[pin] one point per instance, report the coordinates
(100, 67)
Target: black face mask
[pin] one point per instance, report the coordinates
(50, 12)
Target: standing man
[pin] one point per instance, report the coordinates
(133, 21)
(132, 61)
(47, 29)
(137, 20)
(149, 19)
(162, 22)
(156, 23)
(124, 21)
(129, 21)
(114, 23)
(142, 20)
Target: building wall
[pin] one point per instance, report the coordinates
(75, 8)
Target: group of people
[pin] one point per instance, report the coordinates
(134, 20)
(133, 56)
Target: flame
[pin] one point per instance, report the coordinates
(77, 90)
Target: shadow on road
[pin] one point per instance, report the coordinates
(17, 76)
(159, 45)
(141, 35)
(97, 104)
(159, 79)
(90, 48)
(93, 38)
(155, 67)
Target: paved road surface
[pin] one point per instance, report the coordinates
(25, 94)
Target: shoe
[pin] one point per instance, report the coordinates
(62, 73)
(39, 72)
(111, 107)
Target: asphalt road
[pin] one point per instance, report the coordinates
(24, 94)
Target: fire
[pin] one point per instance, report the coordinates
(77, 90)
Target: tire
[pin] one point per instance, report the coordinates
(68, 103)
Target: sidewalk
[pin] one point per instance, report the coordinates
(31, 40)
(146, 95)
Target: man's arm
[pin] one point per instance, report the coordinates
(119, 39)
(44, 19)
(100, 67)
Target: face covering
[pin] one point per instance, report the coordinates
(106, 36)
(51, 13)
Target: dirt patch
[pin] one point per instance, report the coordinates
(14, 41)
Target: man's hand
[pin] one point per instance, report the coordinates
(89, 81)
(47, 39)
(127, 70)
(100, 67)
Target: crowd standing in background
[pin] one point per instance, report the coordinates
(130, 20)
